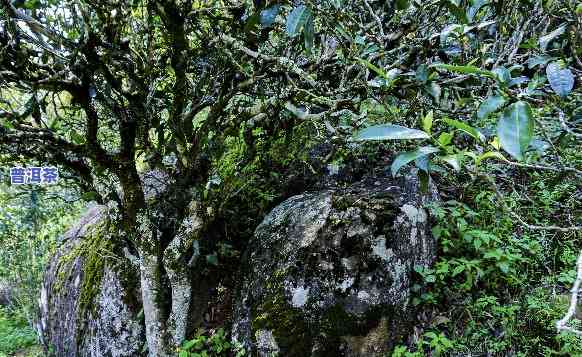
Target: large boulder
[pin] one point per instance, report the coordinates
(89, 304)
(329, 273)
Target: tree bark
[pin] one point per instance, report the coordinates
(165, 332)
(153, 313)
(150, 265)
(179, 270)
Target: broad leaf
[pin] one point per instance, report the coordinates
(189, 344)
(448, 30)
(503, 74)
(474, 9)
(545, 40)
(422, 73)
(517, 81)
(297, 19)
(269, 15)
(407, 157)
(252, 22)
(532, 62)
(389, 132)
(490, 105)
(434, 90)
(445, 139)
(515, 129)
(561, 80)
(454, 160)
(427, 122)
(465, 128)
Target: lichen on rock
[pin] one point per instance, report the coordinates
(88, 298)
(329, 273)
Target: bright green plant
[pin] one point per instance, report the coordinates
(213, 345)
(16, 335)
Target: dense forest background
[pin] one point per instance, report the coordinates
(238, 105)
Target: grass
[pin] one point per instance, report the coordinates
(17, 338)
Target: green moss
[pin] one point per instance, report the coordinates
(286, 322)
(338, 325)
(94, 250)
(295, 335)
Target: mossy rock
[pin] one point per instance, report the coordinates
(89, 299)
(329, 273)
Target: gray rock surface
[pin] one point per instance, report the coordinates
(329, 273)
(5, 293)
(88, 303)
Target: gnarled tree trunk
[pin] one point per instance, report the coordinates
(167, 328)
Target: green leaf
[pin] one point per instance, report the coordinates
(445, 139)
(434, 90)
(309, 34)
(389, 132)
(476, 134)
(297, 19)
(458, 270)
(454, 160)
(252, 23)
(5, 123)
(427, 122)
(465, 69)
(189, 344)
(504, 267)
(457, 10)
(269, 15)
(474, 8)
(515, 129)
(490, 105)
(402, 4)
(477, 243)
(532, 62)
(77, 138)
(503, 74)
(407, 157)
(488, 155)
(561, 80)
(379, 71)
(212, 259)
(422, 73)
(32, 4)
(545, 40)
(183, 354)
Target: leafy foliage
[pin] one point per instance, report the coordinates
(16, 336)
(230, 102)
(216, 344)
